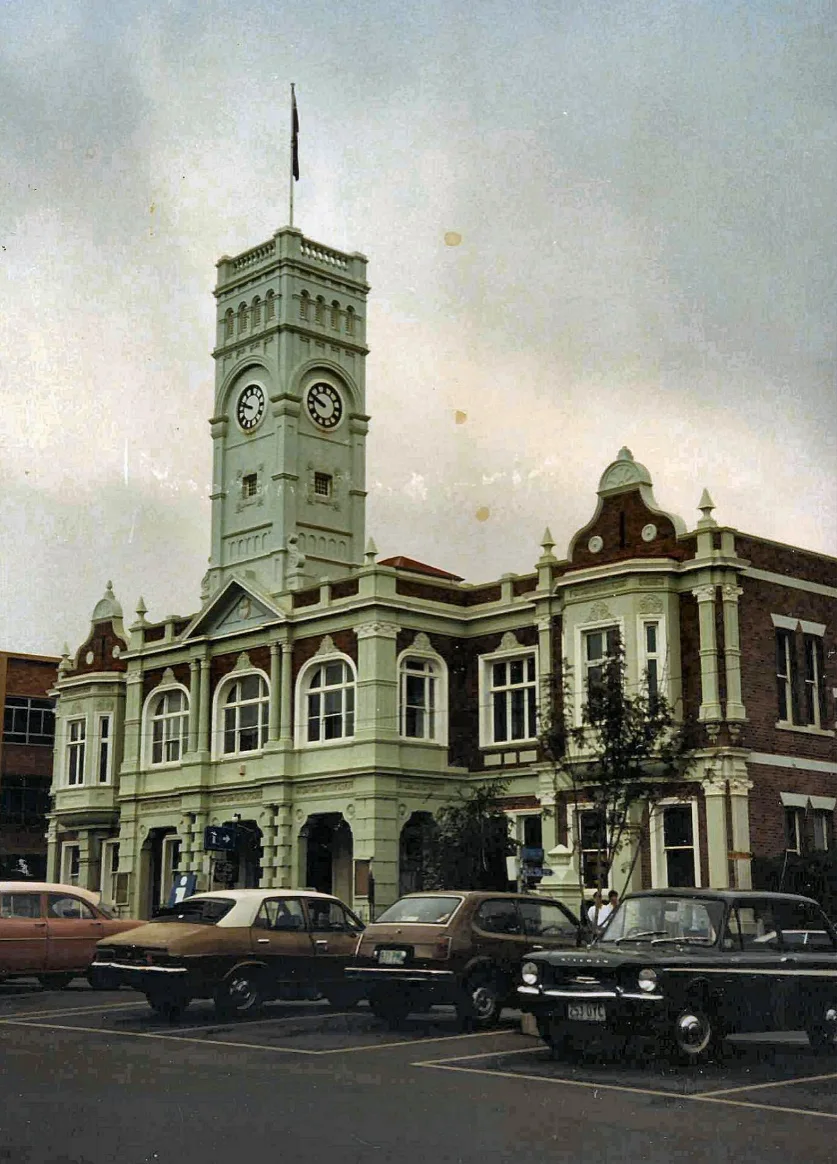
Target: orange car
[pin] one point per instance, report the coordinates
(49, 932)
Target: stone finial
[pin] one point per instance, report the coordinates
(547, 544)
(66, 664)
(107, 608)
(706, 505)
(371, 554)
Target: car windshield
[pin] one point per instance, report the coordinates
(196, 911)
(661, 918)
(421, 910)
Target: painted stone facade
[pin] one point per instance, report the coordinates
(326, 704)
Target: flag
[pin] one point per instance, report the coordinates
(294, 137)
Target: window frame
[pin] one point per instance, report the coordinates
(25, 703)
(70, 855)
(303, 690)
(487, 691)
(149, 719)
(171, 852)
(437, 717)
(659, 656)
(812, 689)
(108, 873)
(580, 669)
(659, 850)
(104, 748)
(75, 764)
(219, 715)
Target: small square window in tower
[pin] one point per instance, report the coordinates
(250, 485)
(323, 484)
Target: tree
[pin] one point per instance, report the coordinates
(469, 847)
(619, 759)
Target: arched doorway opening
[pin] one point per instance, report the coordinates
(326, 849)
(241, 868)
(159, 863)
(415, 851)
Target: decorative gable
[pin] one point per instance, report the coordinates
(238, 607)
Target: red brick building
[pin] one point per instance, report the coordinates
(26, 756)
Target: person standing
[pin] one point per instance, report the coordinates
(599, 911)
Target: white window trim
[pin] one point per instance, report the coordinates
(70, 746)
(486, 717)
(109, 716)
(659, 874)
(579, 663)
(661, 654)
(218, 704)
(440, 713)
(301, 701)
(574, 837)
(170, 840)
(66, 863)
(148, 730)
(107, 874)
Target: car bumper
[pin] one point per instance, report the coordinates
(440, 984)
(113, 975)
(634, 1011)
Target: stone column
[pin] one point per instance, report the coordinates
(52, 851)
(286, 727)
(194, 702)
(375, 830)
(546, 696)
(133, 718)
(710, 706)
(376, 714)
(730, 594)
(203, 718)
(275, 692)
(267, 823)
(739, 791)
(715, 800)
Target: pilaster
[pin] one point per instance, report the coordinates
(715, 793)
(739, 791)
(376, 715)
(730, 593)
(710, 706)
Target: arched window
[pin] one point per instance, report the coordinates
(270, 305)
(242, 317)
(244, 710)
(335, 315)
(168, 725)
(229, 324)
(327, 704)
(256, 312)
(421, 698)
(350, 320)
(304, 301)
(320, 313)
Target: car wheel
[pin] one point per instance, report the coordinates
(55, 981)
(696, 1035)
(823, 1035)
(481, 1001)
(168, 1008)
(240, 993)
(389, 1007)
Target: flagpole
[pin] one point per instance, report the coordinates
(292, 153)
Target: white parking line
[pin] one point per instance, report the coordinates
(68, 1011)
(762, 1086)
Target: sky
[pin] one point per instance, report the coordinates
(589, 224)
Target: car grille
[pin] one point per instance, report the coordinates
(135, 956)
(579, 978)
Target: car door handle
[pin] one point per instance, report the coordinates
(321, 944)
(536, 947)
(39, 924)
(263, 941)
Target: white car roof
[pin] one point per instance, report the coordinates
(49, 887)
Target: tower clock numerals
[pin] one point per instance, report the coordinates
(324, 405)
(250, 408)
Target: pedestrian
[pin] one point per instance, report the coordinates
(613, 900)
(599, 911)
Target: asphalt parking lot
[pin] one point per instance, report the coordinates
(491, 1094)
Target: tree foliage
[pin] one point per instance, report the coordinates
(619, 759)
(469, 847)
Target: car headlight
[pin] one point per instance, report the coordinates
(647, 980)
(529, 973)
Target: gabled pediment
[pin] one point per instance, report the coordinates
(238, 606)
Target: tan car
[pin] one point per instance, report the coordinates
(238, 947)
(463, 948)
(49, 931)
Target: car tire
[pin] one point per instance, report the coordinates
(55, 981)
(389, 1007)
(823, 1035)
(481, 1001)
(696, 1035)
(239, 994)
(166, 1007)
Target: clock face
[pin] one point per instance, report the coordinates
(324, 405)
(250, 408)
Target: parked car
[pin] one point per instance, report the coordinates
(238, 947)
(463, 948)
(49, 931)
(689, 966)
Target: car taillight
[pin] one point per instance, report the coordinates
(442, 948)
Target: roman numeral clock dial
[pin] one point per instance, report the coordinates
(324, 405)
(250, 408)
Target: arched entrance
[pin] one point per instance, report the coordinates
(242, 868)
(159, 863)
(414, 852)
(326, 849)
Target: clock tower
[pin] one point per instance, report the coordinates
(289, 424)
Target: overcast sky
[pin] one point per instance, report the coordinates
(645, 196)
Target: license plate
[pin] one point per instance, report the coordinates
(392, 957)
(586, 1012)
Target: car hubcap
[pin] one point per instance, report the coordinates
(483, 1001)
(241, 991)
(693, 1031)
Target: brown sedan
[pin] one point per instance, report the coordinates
(49, 931)
(238, 947)
(463, 948)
